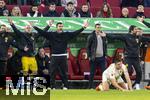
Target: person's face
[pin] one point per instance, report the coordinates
(97, 28)
(105, 8)
(2, 4)
(52, 7)
(28, 29)
(42, 52)
(16, 9)
(135, 30)
(34, 8)
(85, 8)
(140, 8)
(119, 65)
(70, 7)
(3, 28)
(139, 32)
(125, 12)
(60, 27)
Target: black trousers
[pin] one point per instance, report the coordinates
(135, 62)
(58, 63)
(3, 65)
(100, 62)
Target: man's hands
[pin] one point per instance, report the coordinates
(50, 23)
(85, 24)
(10, 20)
(103, 34)
(26, 48)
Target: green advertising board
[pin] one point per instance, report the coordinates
(109, 25)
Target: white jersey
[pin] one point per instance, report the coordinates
(112, 73)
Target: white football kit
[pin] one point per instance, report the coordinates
(112, 73)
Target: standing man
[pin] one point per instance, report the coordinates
(5, 41)
(59, 40)
(132, 50)
(96, 48)
(26, 40)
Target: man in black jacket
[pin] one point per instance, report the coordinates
(5, 42)
(52, 11)
(2, 7)
(43, 62)
(96, 48)
(59, 40)
(27, 47)
(132, 50)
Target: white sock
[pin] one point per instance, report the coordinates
(137, 86)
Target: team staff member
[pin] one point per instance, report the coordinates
(96, 48)
(27, 47)
(132, 50)
(59, 40)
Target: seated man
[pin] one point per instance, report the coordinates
(43, 62)
(112, 75)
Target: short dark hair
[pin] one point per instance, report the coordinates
(52, 3)
(118, 60)
(131, 28)
(58, 23)
(97, 24)
(69, 3)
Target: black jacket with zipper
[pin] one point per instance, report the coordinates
(132, 43)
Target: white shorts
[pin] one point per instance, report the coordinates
(105, 78)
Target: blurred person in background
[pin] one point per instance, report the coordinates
(70, 11)
(34, 12)
(16, 11)
(124, 13)
(105, 11)
(84, 12)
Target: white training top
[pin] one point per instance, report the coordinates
(112, 73)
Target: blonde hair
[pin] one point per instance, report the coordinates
(14, 13)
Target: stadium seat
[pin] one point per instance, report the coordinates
(10, 7)
(81, 2)
(114, 3)
(94, 11)
(116, 12)
(43, 9)
(147, 12)
(84, 65)
(96, 3)
(71, 74)
(25, 9)
(73, 60)
(60, 9)
(132, 11)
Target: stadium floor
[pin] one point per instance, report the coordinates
(94, 95)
